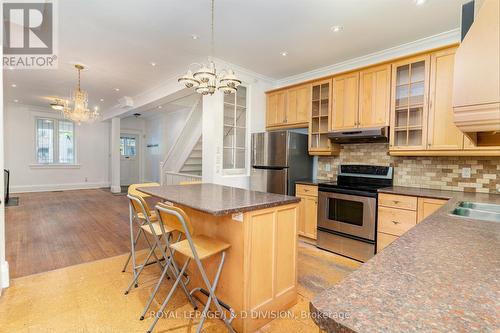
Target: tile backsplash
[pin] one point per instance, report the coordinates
(443, 173)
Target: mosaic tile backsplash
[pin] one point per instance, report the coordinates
(444, 173)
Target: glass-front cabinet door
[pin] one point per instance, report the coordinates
(319, 143)
(409, 105)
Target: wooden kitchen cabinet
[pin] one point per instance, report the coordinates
(374, 96)
(308, 210)
(442, 132)
(409, 103)
(344, 112)
(289, 108)
(427, 206)
(319, 143)
(299, 105)
(276, 108)
(399, 213)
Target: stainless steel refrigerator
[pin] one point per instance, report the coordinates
(279, 159)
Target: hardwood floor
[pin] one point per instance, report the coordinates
(50, 230)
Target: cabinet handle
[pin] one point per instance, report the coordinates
(395, 222)
(395, 202)
(306, 190)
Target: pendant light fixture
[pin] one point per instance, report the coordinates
(205, 79)
(78, 110)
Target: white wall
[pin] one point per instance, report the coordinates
(4, 266)
(92, 153)
(256, 85)
(162, 130)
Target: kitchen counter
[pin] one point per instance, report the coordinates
(260, 268)
(218, 200)
(443, 275)
(309, 181)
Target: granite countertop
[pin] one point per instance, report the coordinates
(309, 181)
(217, 199)
(443, 275)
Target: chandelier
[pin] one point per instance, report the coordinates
(205, 79)
(77, 110)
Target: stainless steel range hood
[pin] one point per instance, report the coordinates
(360, 135)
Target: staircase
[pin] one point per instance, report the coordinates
(183, 162)
(193, 164)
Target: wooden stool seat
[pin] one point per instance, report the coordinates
(205, 247)
(152, 216)
(156, 228)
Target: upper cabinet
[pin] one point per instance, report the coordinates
(345, 101)
(415, 96)
(443, 134)
(410, 87)
(319, 143)
(276, 108)
(476, 88)
(374, 96)
(361, 99)
(289, 108)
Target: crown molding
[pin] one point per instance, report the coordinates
(420, 45)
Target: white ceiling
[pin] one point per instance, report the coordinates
(118, 39)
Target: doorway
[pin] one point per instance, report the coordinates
(129, 159)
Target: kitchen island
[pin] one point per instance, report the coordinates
(259, 277)
(443, 275)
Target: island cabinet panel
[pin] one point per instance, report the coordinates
(442, 133)
(374, 96)
(345, 101)
(270, 263)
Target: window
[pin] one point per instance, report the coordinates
(127, 146)
(235, 134)
(55, 141)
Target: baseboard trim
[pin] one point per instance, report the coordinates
(4, 275)
(57, 187)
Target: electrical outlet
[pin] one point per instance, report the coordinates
(466, 172)
(328, 167)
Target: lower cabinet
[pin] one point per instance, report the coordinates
(397, 214)
(308, 210)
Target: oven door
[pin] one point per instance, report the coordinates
(348, 214)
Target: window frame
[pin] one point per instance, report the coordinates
(236, 171)
(55, 142)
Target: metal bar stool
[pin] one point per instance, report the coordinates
(146, 225)
(198, 248)
(132, 189)
(168, 254)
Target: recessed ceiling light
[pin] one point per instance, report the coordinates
(159, 106)
(195, 37)
(153, 64)
(102, 99)
(117, 89)
(420, 2)
(16, 100)
(284, 53)
(13, 85)
(336, 28)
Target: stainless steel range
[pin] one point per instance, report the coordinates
(347, 210)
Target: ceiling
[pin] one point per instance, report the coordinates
(118, 40)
